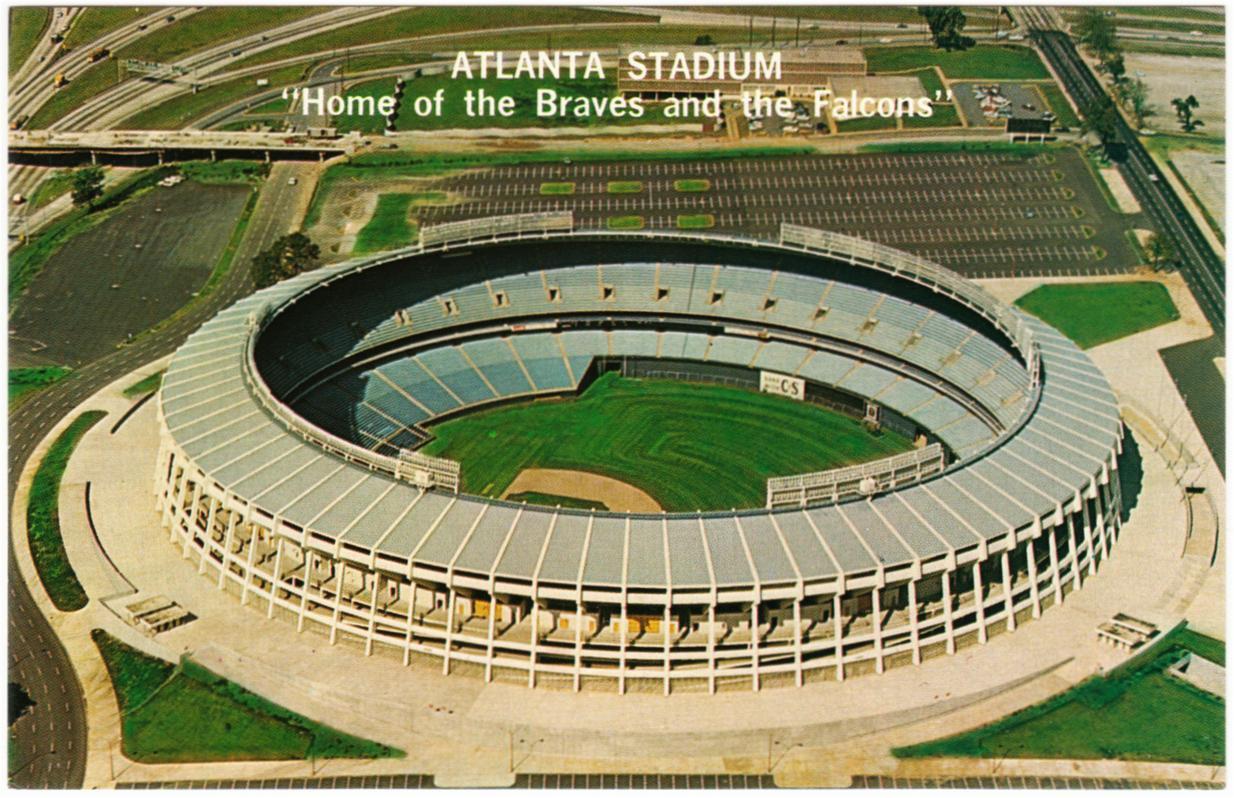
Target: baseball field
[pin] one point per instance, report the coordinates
(690, 446)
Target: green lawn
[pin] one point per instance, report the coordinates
(695, 221)
(1059, 105)
(429, 21)
(624, 187)
(43, 518)
(556, 189)
(689, 446)
(56, 184)
(25, 381)
(1136, 713)
(391, 225)
(982, 62)
(944, 116)
(185, 713)
(145, 385)
(692, 184)
(625, 223)
(552, 500)
(188, 34)
(228, 171)
(1095, 313)
(26, 26)
(97, 21)
(179, 111)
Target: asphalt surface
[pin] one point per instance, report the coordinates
(981, 214)
(1203, 270)
(1202, 387)
(123, 277)
(50, 740)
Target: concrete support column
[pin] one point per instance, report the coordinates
(979, 597)
(1100, 510)
(1033, 591)
(535, 640)
(578, 643)
(372, 616)
(493, 608)
(797, 644)
(877, 613)
(190, 521)
(1008, 598)
(914, 630)
(248, 566)
(305, 588)
(1056, 583)
(754, 643)
(1089, 545)
(277, 576)
(948, 614)
(451, 599)
(208, 541)
(338, 601)
(667, 645)
(838, 625)
(1074, 552)
(411, 622)
(228, 541)
(711, 646)
(625, 642)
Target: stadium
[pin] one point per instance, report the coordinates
(300, 466)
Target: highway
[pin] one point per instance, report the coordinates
(1200, 266)
(51, 738)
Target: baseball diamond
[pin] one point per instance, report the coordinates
(288, 422)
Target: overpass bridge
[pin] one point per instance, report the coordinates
(151, 148)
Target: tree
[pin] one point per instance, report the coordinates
(1115, 67)
(704, 40)
(87, 185)
(1185, 110)
(1134, 95)
(286, 257)
(1160, 251)
(1095, 30)
(946, 24)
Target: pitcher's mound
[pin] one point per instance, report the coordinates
(614, 494)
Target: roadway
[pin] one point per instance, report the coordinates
(51, 737)
(1200, 266)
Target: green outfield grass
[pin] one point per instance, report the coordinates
(695, 221)
(1096, 313)
(26, 26)
(624, 187)
(625, 223)
(43, 518)
(1137, 712)
(692, 184)
(556, 189)
(689, 446)
(25, 381)
(983, 62)
(185, 713)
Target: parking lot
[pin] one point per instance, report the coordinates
(984, 215)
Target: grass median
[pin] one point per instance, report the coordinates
(1095, 313)
(624, 187)
(25, 381)
(186, 713)
(43, 518)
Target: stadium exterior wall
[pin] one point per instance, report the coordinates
(637, 638)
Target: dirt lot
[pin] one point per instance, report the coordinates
(1170, 76)
(1205, 173)
(124, 275)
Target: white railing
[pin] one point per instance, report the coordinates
(867, 479)
(493, 228)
